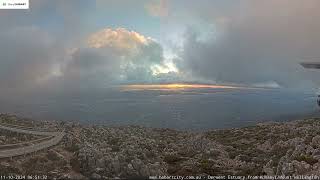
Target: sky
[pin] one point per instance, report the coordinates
(78, 44)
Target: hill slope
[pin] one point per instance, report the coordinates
(106, 152)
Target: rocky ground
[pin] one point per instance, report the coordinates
(119, 152)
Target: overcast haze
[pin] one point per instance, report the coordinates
(102, 43)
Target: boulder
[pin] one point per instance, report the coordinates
(95, 176)
(316, 141)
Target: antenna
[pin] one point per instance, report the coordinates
(311, 65)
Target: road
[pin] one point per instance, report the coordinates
(24, 127)
(27, 131)
(57, 137)
(25, 143)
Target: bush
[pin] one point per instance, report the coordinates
(172, 158)
(75, 164)
(306, 158)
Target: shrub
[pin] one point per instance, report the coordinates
(172, 158)
(306, 158)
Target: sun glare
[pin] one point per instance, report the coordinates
(175, 86)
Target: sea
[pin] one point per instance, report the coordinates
(193, 109)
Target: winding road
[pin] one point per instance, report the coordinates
(35, 145)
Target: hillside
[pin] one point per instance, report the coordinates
(107, 152)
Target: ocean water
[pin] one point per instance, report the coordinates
(185, 110)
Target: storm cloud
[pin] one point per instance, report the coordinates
(27, 56)
(113, 56)
(258, 42)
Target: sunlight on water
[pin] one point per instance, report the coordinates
(170, 87)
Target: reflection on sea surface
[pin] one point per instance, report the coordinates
(196, 109)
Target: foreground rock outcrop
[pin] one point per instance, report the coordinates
(97, 152)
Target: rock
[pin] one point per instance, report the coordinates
(3, 138)
(316, 141)
(98, 170)
(285, 167)
(316, 152)
(145, 172)
(137, 164)
(55, 156)
(67, 167)
(95, 176)
(268, 169)
(265, 147)
(199, 143)
(301, 167)
(115, 166)
(100, 163)
(131, 172)
(65, 176)
(54, 173)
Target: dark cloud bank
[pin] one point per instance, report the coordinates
(261, 42)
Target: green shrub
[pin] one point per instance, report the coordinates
(172, 158)
(306, 158)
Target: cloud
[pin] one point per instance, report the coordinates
(27, 55)
(114, 56)
(262, 44)
(249, 42)
(119, 39)
(158, 8)
(269, 84)
(31, 58)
